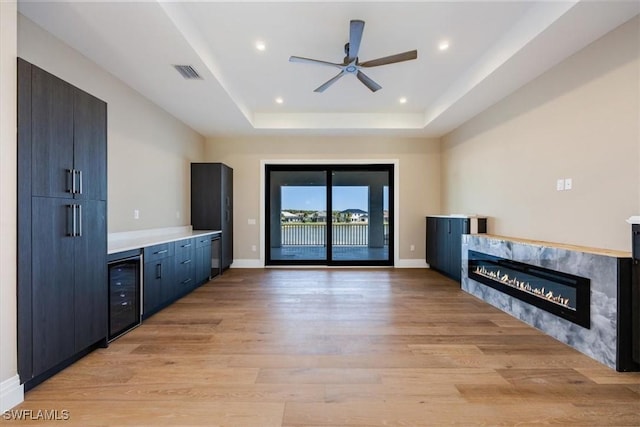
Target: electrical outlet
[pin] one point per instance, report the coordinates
(560, 184)
(568, 183)
(177, 214)
(254, 248)
(136, 214)
(412, 248)
(251, 221)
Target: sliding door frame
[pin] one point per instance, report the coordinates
(393, 189)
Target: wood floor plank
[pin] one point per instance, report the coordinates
(336, 347)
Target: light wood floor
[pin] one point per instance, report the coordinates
(336, 348)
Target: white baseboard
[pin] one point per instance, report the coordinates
(246, 263)
(11, 393)
(412, 263)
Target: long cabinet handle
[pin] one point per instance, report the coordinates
(71, 225)
(79, 189)
(79, 232)
(71, 173)
(186, 262)
(158, 271)
(164, 251)
(186, 246)
(76, 220)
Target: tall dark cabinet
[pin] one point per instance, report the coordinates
(212, 203)
(62, 223)
(444, 242)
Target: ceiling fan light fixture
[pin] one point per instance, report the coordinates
(351, 63)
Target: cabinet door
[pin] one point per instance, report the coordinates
(203, 259)
(442, 254)
(152, 291)
(91, 277)
(52, 283)
(51, 135)
(432, 241)
(158, 284)
(455, 254)
(90, 146)
(227, 216)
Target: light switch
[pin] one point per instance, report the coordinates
(568, 183)
(560, 184)
(136, 214)
(251, 221)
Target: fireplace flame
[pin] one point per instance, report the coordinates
(521, 285)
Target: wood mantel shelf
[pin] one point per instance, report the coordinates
(595, 251)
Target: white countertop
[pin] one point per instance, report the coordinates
(128, 240)
(633, 219)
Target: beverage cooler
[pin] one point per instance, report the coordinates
(124, 292)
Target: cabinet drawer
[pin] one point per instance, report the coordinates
(185, 249)
(203, 241)
(156, 252)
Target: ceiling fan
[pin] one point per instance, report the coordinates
(351, 64)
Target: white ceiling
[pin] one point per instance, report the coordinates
(495, 48)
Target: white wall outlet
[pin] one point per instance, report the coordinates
(254, 248)
(568, 183)
(560, 184)
(251, 221)
(412, 248)
(136, 214)
(178, 214)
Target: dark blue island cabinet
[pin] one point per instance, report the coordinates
(444, 241)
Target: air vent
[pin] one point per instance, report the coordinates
(188, 72)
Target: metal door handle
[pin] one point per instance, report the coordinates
(79, 234)
(186, 262)
(164, 251)
(71, 188)
(72, 233)
(158, 271)
(79, 173)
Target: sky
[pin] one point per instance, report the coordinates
(314, 198)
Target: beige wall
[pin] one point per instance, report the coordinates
(8, 145)
(579, 120)
(419, 166)
(149, 151)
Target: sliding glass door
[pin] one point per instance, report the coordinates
(329, 215)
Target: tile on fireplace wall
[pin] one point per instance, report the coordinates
(600, 340)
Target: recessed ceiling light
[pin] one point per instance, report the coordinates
(402, 100)
(279, 100)
(443, 45)
(261, 46)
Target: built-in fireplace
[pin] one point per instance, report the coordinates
(559, 293)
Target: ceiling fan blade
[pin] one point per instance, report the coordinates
(329, 82)
(405, 56)
(373, 86)
(313, 61)
(355, 36)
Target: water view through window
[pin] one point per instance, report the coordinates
(329, 215)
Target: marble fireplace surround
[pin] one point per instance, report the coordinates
(603, 341)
